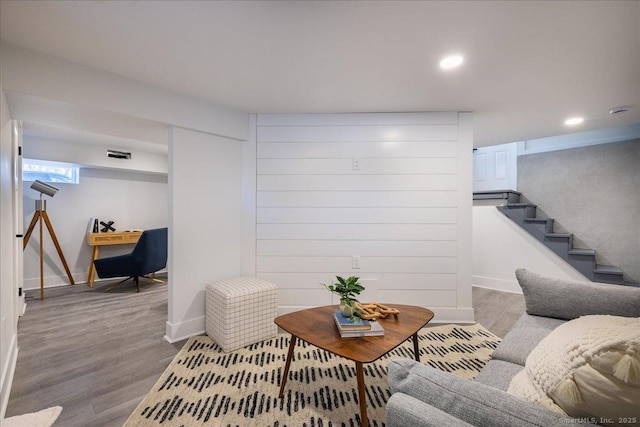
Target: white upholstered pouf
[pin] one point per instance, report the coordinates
(240, 312)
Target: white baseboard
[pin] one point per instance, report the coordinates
(33, 283)
(511, 286)
(181, 331)
(8, 370)
(452, 315)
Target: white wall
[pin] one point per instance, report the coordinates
(500, 246)
(132, 200)
(391, 189)
(205, 236)
(8, 314)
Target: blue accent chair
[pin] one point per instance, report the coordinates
(148, 256)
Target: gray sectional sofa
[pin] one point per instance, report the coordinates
(423, 396)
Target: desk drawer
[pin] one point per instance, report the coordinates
(100, 239)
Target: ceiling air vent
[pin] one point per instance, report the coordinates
(118, 154)
(620, 109)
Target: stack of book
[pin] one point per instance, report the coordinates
(358, 328)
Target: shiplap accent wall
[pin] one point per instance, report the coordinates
(391, 189)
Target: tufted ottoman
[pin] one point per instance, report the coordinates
(240, 312)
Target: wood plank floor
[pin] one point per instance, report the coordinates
(497, 311)
(97, 354)
(94, 353)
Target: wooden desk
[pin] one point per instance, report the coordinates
(103, 239)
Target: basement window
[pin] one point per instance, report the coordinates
(50, 171)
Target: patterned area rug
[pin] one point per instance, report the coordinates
(204, 386)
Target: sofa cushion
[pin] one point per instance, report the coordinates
(498, 374)
(406, 411)
(565, 299)
(524, 337)
(470, 401)
(587, 367)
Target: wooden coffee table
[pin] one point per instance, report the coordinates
(317, 327)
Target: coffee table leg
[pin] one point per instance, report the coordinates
(362, 397)
(283, 381)
(416, 354)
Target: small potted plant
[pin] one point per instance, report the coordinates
(347, 289)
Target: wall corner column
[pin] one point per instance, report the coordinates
(465, 206)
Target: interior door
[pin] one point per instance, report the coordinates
(16, 136)
(495, 168)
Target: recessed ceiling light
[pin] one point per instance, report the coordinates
(573, 121)
(452, 61)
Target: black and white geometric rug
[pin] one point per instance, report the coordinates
(204, 386)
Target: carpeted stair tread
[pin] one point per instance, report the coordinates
(538, 220)
(521, 205)
(558, 235)
(607, 269)
(587, 252)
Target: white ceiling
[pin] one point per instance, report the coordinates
(528, 65)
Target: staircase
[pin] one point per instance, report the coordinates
(583, 260)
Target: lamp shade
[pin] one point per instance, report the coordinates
(44, 188)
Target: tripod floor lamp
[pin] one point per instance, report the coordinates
(40, 216)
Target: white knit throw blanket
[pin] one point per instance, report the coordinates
(549, 368)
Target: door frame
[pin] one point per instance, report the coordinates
(16, 153)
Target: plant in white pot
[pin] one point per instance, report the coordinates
(347, 289)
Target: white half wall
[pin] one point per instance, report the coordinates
(500, 246)
(386, 197)
(205, 223)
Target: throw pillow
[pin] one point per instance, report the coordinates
(566, 299)
(587, 367)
